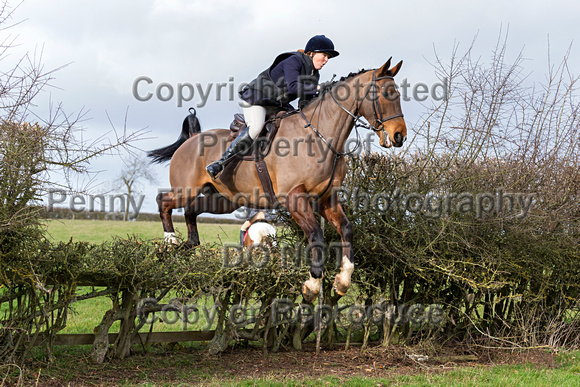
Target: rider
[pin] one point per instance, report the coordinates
(292, 75)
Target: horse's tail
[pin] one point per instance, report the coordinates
(190, 127)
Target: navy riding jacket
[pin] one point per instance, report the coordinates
(291, 76)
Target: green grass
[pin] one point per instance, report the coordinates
(97, 231)
(565, 373)
(85, 315)
(502, 375)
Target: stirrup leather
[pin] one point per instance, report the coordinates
(241, 145)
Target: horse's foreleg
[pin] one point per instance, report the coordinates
(166, 202)
(332, 211)
(298, 204)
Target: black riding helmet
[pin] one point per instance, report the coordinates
(321, 43)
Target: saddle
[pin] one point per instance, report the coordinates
(262, 144)
(261, 148)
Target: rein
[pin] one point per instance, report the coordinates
(337, 155)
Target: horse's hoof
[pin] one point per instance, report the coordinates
(339, 287)
(189, 245)
(311, 289)
(308, 295)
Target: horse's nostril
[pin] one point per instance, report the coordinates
(398, 137)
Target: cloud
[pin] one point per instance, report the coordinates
(111, 43)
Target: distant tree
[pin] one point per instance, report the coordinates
(137, 171)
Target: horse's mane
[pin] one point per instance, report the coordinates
(342, 79)
(350, 75)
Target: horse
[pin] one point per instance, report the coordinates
(306, 165)
(258, 233)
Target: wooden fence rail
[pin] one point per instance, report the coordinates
(142, 337)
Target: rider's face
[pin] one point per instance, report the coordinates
(319, 59)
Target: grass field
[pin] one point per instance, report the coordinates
(97, 231)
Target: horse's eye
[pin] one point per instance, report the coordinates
(390, 92)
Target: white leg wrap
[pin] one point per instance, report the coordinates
(342, 279)
(169, 237)
(347, 267)
(314, 284)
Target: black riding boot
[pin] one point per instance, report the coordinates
(241, 144)
(242, 233)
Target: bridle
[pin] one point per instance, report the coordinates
(358, 123)
(377, 111)
(377, 115)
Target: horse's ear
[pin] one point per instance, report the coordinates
(384, 69)
(393, 71)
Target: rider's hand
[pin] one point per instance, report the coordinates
(324, 87)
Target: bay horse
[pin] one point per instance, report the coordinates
(306, 165)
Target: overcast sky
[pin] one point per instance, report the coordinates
(109, 44)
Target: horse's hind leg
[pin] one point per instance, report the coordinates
(191, 222)
(332, 211)
(298, 204)
(212, 203)
(166, 202)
